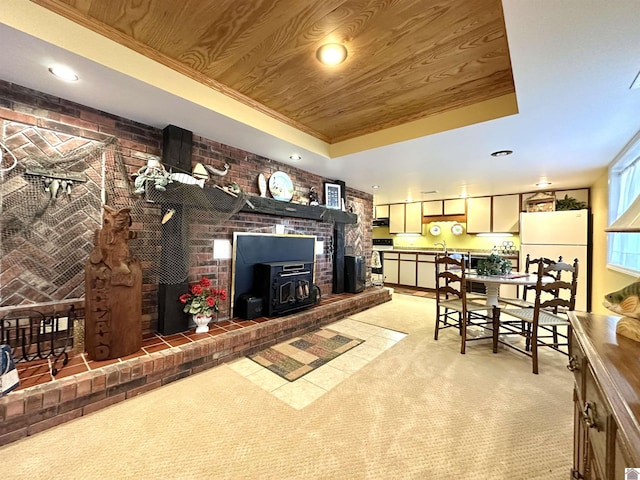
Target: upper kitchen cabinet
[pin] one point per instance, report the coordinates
(405, 218)
(478, 214)
(506, 213)
(455, 206)
(432, 208)
(498, 214)
(438, 208)
(381, 211)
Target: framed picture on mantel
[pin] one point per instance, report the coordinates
(332, 196)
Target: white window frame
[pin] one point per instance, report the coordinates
(623, 249)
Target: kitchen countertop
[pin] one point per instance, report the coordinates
(434, 251)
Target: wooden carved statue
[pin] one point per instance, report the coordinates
(113, 291)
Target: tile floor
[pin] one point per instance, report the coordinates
(39, 371)
(313, 385)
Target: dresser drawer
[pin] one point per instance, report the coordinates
(578, 365)
(596, 416)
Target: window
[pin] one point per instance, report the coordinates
(623, 249)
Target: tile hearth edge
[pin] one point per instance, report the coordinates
(32, 410)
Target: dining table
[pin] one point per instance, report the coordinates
(492, 283)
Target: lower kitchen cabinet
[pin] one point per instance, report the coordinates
(426, 271)
(606, 410)
(391, 264)
(407, 274)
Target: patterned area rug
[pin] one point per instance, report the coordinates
(295, 358)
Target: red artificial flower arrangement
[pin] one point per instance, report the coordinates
(202, 298)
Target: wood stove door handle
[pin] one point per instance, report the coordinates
(294, 273)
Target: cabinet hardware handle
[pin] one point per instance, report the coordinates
(589, 422)
(573, 364)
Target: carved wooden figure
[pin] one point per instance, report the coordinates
(113, 291)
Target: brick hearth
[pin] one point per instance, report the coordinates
(34, 409)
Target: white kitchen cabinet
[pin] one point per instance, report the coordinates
(478, 214)
(506, 213)
(405, 217)
(396, 218)
(432, 208)
(382, 211)
(407, 271)
(426, 271)
(391, 263)
(454, 206)
(413, 218)
(499, 214)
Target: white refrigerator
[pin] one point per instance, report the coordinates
(563, 233)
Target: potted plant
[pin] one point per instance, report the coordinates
(202, 302)
(570, 203)
(494, 265)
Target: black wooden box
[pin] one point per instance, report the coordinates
(249, 307)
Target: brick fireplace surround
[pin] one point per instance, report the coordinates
(35, 123)
(34, 409)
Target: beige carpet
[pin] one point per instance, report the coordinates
(420, 410)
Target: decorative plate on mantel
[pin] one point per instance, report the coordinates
(281, 186)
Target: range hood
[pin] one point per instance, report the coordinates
(629, 221)
(381, 222)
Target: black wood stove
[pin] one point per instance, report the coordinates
(284, 286)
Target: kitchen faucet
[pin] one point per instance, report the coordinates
(443, 243)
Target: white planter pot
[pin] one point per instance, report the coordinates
(202, 322)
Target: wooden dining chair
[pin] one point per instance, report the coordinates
(532, 264)
(553, 299)
(523, 302)
(454, 310)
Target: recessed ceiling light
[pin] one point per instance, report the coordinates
(63, 73)
(502, 153)
(543, 184)
(295, 156)
(463, 195)
(331, 53)
(375, 187)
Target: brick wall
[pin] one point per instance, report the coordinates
(135, 142)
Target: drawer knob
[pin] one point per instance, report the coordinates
(586, 415)
(573, 364)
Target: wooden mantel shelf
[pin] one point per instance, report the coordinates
(269, 206)
(218, 199)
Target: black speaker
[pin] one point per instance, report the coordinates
(249, 307)
(355, 273)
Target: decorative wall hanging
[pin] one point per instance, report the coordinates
(541, 202)
(332, 196)
(262, 185)
(281, 186)
(6, 155)
(457, 229)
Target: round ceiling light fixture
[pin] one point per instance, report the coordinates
(502, 153)
(331, 54)
(63, 73)
(543, 183)
(295, 157)
(375, 187)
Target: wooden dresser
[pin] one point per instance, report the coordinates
(606, 398)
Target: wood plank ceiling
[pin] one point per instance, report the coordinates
(408, 59)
